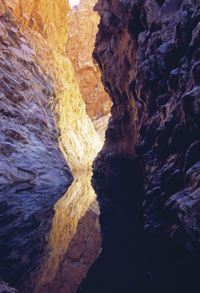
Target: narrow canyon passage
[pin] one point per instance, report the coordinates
(141, 231)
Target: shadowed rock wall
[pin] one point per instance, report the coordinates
(147, 175)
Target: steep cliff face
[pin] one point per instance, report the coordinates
(45, 27)
(29, 149)
(148, 52)
(82, 23)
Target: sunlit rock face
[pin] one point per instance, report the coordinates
(46, 27)
(29, 149)
(148, 52)
(82, 23)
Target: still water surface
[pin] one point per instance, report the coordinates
(36, 226)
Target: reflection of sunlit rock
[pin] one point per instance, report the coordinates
(26, 213)
(55, 247)
(63, 256)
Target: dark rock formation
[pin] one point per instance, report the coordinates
(147, 175)
(4, 288)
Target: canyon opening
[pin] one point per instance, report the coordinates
(100, 146)
(74, 2)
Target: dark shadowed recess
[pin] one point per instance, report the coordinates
(121, 266)
(150, 206)
(160, 2)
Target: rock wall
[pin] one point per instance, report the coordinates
(45, 27)
(147, 175)
(29, 150)
(82, 23)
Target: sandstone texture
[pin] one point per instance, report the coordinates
(82, 23)
(29, 150)
(45, 26)
(147, 175)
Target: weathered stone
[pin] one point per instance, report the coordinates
(192, 156)
(196, 72)
(173, 79)
(162, 100)
(83, 23)
(152, 69)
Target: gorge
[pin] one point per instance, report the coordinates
(146, 173)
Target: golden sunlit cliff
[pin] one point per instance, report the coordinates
(46, 28)
(83, 24)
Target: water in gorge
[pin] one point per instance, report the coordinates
(49, 237)
(70, 70)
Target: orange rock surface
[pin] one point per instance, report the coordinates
(46, 26)
(83, 22)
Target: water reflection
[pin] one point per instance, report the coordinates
(68, 210)
(36, 227)
(25, 216)
(44, 247)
